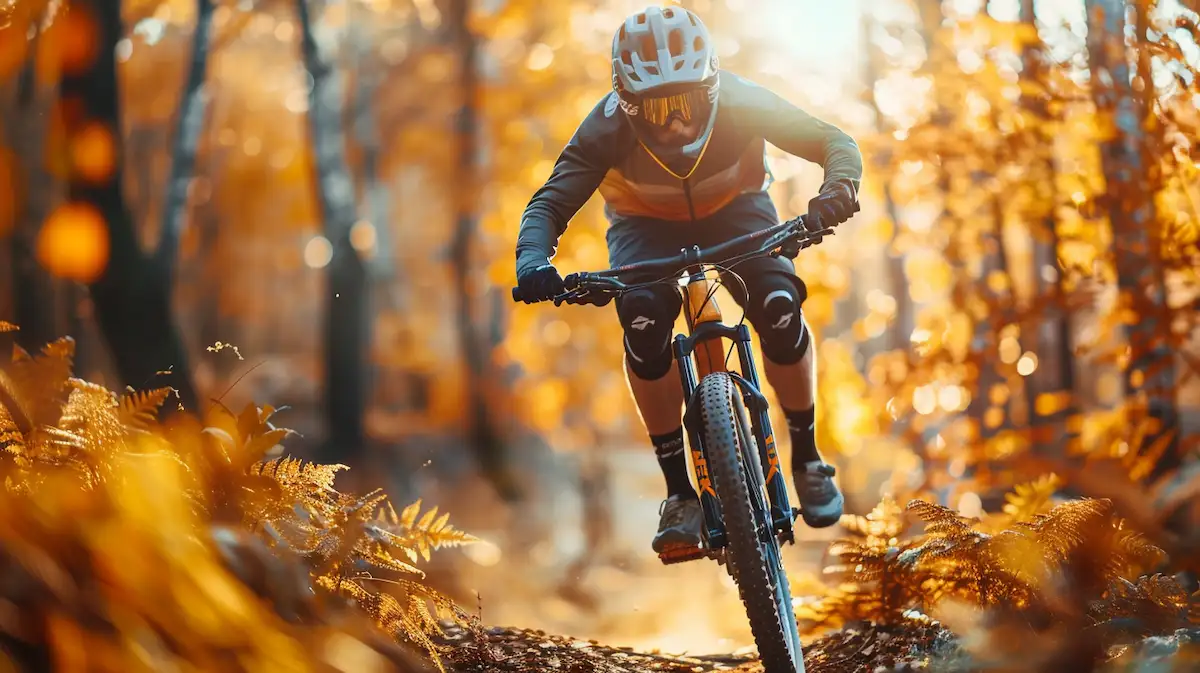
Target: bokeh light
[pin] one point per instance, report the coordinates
(93, 153)
(73, 243)
(318, 252)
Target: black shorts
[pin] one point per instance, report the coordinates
(636, 239)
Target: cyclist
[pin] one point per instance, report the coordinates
(677, 152)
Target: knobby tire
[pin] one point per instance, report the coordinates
(754, 561)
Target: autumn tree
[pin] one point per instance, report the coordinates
(347, 315)
(1124, 101)
(130, 290)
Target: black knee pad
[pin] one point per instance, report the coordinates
(777, 318)
(648, 318)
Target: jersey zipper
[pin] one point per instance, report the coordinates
(687, 194)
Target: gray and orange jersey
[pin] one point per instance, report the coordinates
(606, 155)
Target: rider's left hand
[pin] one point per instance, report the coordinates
(836, 203)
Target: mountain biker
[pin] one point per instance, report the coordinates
(677, 152)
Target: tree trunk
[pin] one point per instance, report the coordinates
(1130, 173)
(188, 125)
(39, 300)
(489, 446)
(1050, 330)
(347, 318)
(132, 297)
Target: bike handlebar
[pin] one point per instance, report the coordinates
(772, 237)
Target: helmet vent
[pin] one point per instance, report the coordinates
(652, 69)
(641, 19)
(679, 64)
(675, 42)
(646, 50)
(669, 13)
(698, 44)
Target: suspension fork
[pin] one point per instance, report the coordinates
(764, 435)
(714, 522)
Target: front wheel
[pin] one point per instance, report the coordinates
(753, 551)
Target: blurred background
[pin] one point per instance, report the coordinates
(313, 204)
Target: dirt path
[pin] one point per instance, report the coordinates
(510, 650)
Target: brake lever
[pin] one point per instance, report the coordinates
(566, 297)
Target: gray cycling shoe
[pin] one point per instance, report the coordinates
(821, 503)
(679, 523)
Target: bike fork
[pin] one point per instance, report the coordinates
(782, 516)
(713, 521)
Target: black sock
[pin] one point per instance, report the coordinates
(669, 449)
(802, 427)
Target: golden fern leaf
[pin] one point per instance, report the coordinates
(139, 409)
(38, 384)
(8, 327)
(90, 413)
(941, 521)
(1030, 499)
(1154, 603)
(429, 533)
(1130, 552)
(1068, 525)
(12, 440)
(882, 524)
(308, 481)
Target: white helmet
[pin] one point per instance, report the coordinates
(664, 64)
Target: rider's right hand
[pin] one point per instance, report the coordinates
(540, 283)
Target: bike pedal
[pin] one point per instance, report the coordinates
(796, 512)
(682, 554)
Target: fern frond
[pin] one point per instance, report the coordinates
(941, 521)
(1030, 499)
(12, 440)
(90, 412)
(882, 524)
(8, 327)
(306, 479)
(1068, 525)
(1151, 604)
(403, 533)
(139, 409)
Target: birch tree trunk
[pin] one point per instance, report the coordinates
(189, 122)
(347, 318)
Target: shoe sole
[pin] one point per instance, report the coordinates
(824, 519)
(673, 540)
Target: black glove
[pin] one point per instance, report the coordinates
(540, 283)
(836, 203)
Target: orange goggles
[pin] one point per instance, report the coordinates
(691, 104)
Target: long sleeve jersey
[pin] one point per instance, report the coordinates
(605, 154)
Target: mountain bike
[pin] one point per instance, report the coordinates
(743, 495)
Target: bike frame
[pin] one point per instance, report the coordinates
(699, 353)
